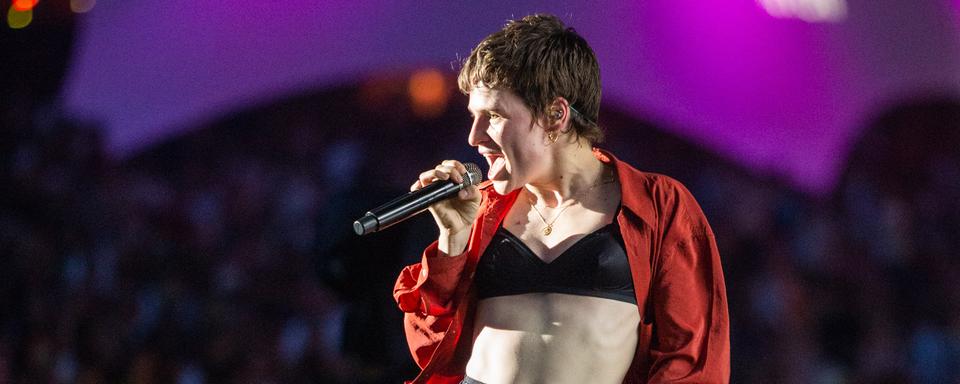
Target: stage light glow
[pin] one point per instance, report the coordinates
(24, 5)
(813, 11)
(19, 19)
(380, 90)
(428, 92)
(82, 6)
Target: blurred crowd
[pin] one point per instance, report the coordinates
(226, 254)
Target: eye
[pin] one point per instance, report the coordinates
(495, 116)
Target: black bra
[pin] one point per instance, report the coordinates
(596, 265)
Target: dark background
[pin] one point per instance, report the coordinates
(225, 254)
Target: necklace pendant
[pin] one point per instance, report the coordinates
(548, 230)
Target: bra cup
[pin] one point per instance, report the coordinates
(596, 265)
(614, 270)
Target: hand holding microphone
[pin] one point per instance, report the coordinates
(449, 191)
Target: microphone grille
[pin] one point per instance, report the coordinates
(473, 175)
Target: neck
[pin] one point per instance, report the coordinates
(574, 170)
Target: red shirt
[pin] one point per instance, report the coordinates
(684, 332)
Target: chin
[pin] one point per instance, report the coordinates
(504, 187)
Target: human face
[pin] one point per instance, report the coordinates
(506, 134)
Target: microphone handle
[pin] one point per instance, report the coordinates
(414, 202)
(405, 206)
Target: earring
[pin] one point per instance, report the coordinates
(552, 136)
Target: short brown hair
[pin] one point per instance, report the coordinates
(540, 59)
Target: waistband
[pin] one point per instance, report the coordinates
(468, 380)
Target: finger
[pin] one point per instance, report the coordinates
(416, 185)
(432, 175)
(450, 170)
(458, 169)
(456, 165)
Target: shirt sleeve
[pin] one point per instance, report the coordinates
(427, 287)
(691, 327)
(423, 291)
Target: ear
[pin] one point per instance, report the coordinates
(558, 114)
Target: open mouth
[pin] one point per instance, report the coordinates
(491, 157)
(497, 164)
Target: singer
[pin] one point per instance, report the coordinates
(567, 265)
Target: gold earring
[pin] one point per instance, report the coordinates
(552, 136)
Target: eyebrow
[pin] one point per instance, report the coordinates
(494, 109)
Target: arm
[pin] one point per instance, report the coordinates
(426, 287)
(423, 292)
(691, 326)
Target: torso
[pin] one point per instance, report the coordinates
(555, 337)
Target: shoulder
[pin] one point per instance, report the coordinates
(634, 180)
(651, 195)
(657, 200)
(670, 191)
(659, 186)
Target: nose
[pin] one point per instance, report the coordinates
(478, 132)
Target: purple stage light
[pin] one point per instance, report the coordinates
(778, 95)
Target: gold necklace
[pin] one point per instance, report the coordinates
(548, 227)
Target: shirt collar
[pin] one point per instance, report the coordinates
(634, 190)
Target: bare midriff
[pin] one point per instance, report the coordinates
(553, 338)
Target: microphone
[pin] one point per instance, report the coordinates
(407, 206)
